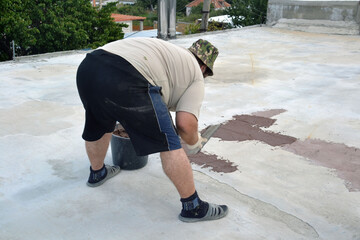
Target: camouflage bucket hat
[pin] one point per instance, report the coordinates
(206, 52)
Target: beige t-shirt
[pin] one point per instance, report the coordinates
(164, 64)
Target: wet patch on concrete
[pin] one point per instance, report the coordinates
(62, 169)
(213, 162)
(342, 158)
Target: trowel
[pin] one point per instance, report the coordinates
(206, 133)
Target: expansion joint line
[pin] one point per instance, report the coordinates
(269, 210)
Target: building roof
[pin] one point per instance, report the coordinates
(281, 85)
(127, 1)
(123, 18)
(217, 3)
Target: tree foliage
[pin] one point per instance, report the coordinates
(212, 26)
(14, 26)
(247, 12)
(139, 9)
(131, 9)
(181, 6)
(196, 13)
(147, 4)
(40, 26)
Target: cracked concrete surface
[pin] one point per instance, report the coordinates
(306, 84)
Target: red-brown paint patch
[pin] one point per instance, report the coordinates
(242, 128)
(268, 113)
(213, 162)
(345, 160)
(247, 127)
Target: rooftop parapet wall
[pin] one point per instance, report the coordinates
(338, 17)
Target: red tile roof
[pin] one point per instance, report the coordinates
(122, 17)
(217, 3)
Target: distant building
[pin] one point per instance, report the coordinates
(131, 2)
(218, 5)
(326, 16)
(128, 19)
(224, 19)
(104, 2)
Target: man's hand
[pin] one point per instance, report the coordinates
(198, 145)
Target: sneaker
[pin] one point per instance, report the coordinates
(214, 212)
(111, 172)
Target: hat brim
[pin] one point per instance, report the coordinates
(209, 71)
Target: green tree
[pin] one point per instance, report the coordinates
(138, 10)
(39, 26)
(135, 9)
(198, 9)
(181, 6)
(248, 12)
(103, 28)
(14, 25)
(147, 4)
(196, 13)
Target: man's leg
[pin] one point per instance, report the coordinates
(177, 167)
(96, 152)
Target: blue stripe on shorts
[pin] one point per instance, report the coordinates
(164, 118)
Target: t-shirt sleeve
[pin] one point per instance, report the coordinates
(192, 99)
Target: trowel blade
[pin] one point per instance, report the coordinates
(207, 133)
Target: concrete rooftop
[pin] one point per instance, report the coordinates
(288, 164)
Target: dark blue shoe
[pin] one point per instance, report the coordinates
(111, 172)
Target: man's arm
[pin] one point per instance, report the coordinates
(187, 126)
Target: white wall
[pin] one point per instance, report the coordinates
(129, 28)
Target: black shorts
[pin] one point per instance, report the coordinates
(111, 90)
